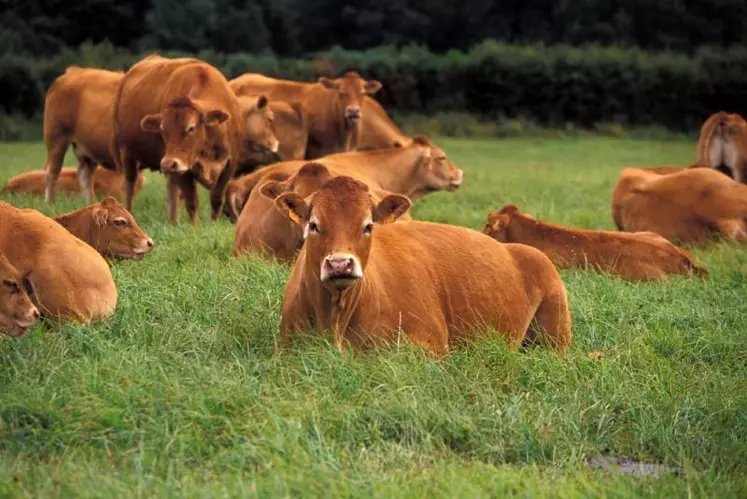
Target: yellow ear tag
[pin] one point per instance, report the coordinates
(387, 220)
(293, 216)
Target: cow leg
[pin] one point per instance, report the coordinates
(191, 200)
(218, 192)
(552, 322)
(130, 167)
(172, 196)
(56, 149)
(86, 170)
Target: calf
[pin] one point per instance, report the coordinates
(723, 145)
(435, 283)
(640, 256)
(17, 313)
(692, 206)
(263, 229)
(69, 280)
(109, 229)
(414, 170)
(105, 183)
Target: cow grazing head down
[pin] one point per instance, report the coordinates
(437, 169)
(498, 222)
(351, 89)
(184, 126)
(338, 226)
(115, 233)
(260, 123)
(17, 313)
(309, 179)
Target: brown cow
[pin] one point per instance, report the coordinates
(17, 312)
(691, 206)
(176, 113)
(640, 256)
(333, 106)
(109, 229)
(263, 229)
(435, 283)
(78, 111)
(723, 145)
(379, 131)
(105, 183)
(69, 280)
(413, 171)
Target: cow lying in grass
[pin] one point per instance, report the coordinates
(368, 280)
(639, 256)
(105, 183)
(17, 312)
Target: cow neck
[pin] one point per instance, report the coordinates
(75, 223)
(398, 173)
(333, 310)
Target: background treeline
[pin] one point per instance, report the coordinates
(555, 87)
(297, 27)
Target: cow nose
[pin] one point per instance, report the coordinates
(353, 112)
(149, 242)
(35, 314)
(171, 165)
(339, 265)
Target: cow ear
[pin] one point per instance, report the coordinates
(329, 84)
(151, 123)
(109, 201)
(273, 189)
(261, 102)
(372, 86)
(215, 117)
(294, 207)
(391, 208)
(100, 216)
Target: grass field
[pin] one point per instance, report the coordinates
(182, 392)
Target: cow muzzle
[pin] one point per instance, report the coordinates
(456, 182)
(353, 113)
(170, 164)
(341, 270)
(31, 317)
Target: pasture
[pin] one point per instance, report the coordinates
(182, 392)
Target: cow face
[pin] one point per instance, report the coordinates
(260, 123)
(338, 227)
(115, 232)
(498, 222)
(438, 171)
(17, 313)
(183, 126)
(351, 89)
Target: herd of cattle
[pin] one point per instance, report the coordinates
(319, 175)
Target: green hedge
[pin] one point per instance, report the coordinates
(556, 86)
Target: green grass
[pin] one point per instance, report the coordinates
(182, 392)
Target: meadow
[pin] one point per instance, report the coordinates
(183, 392)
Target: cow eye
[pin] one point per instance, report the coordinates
(12, 286)
(313, 227)
(120, 222)
(368, 229)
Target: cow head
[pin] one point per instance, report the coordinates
(259, 123)
(437, 170)
(338, 227)
(114, 231)
(351, 89)
(184, 126)
(498, 222)
(309, 179)
(17, 313)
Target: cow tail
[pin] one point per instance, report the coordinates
(115, 147)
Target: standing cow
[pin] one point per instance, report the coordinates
(334, 106)
(176, 113)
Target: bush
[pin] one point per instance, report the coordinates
(561, 87)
